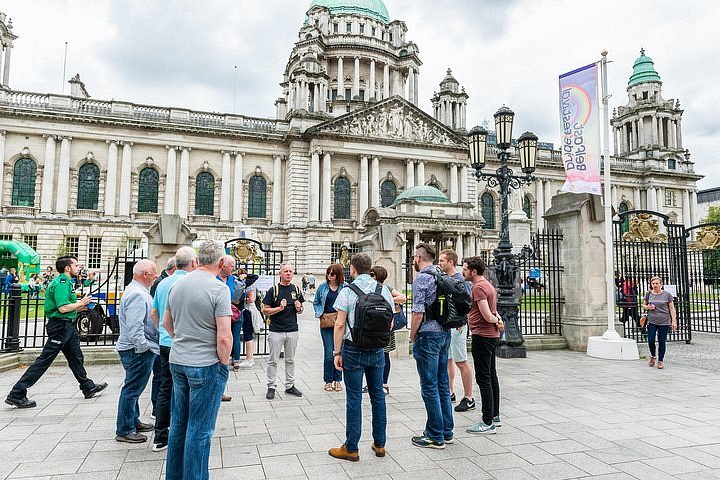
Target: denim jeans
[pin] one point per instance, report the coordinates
(330, 374)
(386, 369)
(430, 351)
(236, 329)
(195, 404)
(662, 332)
(356, 363)
(155, 383)
(162, 408)
(483, 351)
(138, 367)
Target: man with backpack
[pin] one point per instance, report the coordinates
(362, 330)
(430, 350)
(282, 303)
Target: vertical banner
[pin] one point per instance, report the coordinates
(580, 126)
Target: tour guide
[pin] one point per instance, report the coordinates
(61, 307)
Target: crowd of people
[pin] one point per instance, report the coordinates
(184, 327)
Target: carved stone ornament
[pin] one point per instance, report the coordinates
(644, 228)
(344, 257)
(708, 238)
(392, 121)
(246, 252)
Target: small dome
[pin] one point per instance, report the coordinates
(422, 193)
(371, 8)
(643, 70)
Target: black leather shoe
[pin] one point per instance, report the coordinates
(99, 387)
(293, 391)
(270, 394)
(24, 402)
(144, 427)
(131, 438)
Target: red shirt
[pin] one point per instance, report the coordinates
(483, 290)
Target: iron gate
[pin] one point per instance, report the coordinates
(647, 244)
(256, 260)
(703, 261)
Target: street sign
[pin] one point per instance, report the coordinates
(535, 273)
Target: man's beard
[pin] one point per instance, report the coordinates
(416, 267)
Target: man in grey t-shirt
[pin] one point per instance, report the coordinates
(197, 316)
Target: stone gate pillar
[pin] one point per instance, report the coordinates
(165, 238)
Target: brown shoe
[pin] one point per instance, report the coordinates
(379, 451)
(343, 454)
(226, 398)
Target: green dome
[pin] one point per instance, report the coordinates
(422, 193)
(643, 70)
(371, 8)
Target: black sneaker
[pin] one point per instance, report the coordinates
(159, 447)
(452, 397)
(427, 442)
(465, 405)
(270, 394)
(449, 440)
(99, 387)
(293, 391)
(24, 402)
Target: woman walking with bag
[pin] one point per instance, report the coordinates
(323, 303)
(660, 310)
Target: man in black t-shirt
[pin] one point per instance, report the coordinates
(282, 303)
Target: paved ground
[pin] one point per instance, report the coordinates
(565, 416)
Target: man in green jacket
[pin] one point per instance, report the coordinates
(61, 307)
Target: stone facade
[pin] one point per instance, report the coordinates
(304, 183)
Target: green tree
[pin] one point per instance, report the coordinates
(713, 215)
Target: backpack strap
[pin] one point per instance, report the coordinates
(357, 290)
(378, 288)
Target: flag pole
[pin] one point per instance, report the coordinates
(611, 333)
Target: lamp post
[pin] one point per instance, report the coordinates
(506, 262)
(295, 249)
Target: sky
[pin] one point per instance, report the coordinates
(184, 53)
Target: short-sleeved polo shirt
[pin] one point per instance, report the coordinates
(60, 292)
(160, 302)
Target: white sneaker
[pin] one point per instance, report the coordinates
(247, 364)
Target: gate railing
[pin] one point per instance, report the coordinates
(703, 262)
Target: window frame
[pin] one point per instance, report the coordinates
(88, 197)
(152, 197)
(23, 183)
(342, 199)
(257, 199)
(384, 196)
(487, 210)
(205, 194)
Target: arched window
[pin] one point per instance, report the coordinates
(257, 195)
(527, 206)
(625, 225)
(88, 187)
(342, 198)
(148, 190)
(388, 193)
(487, 207)
(204, 194)
(23, 189)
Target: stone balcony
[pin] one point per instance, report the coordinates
(204, 220)
(82, 214)
(20, 211)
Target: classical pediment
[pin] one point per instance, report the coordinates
(393, 119)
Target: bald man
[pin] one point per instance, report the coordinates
(138, 348)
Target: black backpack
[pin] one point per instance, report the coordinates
(373, 317)
(452, 302)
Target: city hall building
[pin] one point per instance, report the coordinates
(349, 161)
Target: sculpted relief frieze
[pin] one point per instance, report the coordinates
(392, 122)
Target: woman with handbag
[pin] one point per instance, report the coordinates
(661, 316)
(323, 303)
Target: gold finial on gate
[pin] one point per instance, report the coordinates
(644, 228)
(708, 238)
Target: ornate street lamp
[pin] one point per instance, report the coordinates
(505, 261)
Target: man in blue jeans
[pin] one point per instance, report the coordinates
(137, 346)
(430, 350)
(356, 362)
(197, 316)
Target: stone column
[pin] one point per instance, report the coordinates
(371, 88)
(459, 248)
(686, 208)
(651, 199)
(443, 109)
(184, 177)
(48, 180)
(6, 66)
(693, 208)
(661, 131)
(63, 190)
(672, 130)
(641, 132)
(636, 136)
(416, 240)
(316, 97)
(125, 180)
(340, 78)
(416, 78)
(679, 134)
(660, 200)
(548, 193)
(326, 187)
(409, 173)
(420, 177)
(375, 183)
(356, 79)
(170, 180)
(540, 202)
(464, 197)
(636, 199)
(654, 129)
(411, 85)
(225, 188)
(2, 166)
(111, 179)
(277, 190)
(614, 196)
(453, 183)
(386, 81)
(363, 186)
(615, 141)
(238, 188)
(314, 203)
